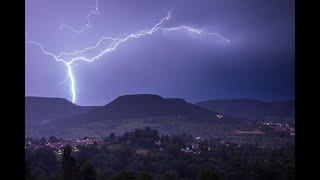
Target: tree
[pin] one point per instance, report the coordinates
(144, 176)
(28, 139)
(53, 139)
(169, 176)
(287, 174)
(87, 171)
(69, 165)
(42, 161)
(27, 172)
(208, 174)
(173, 149)
(122, 160)
(112, 138)
(124, 175)
(86, 152)
(43, 141)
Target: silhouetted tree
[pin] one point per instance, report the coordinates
(288, 173)
(245, 162)
(112, 138)
(124, 175)
(42, 161)
(53, 139)
(69, 165)
(144, 176)
(208, 174)
(169, 176)
(27, 172)
(173, 149)
(87, 171)
(43, 141)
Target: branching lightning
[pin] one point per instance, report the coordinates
(87, 25)
(70, 58)
(198, 31)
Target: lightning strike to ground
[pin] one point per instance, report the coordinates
(70, 58)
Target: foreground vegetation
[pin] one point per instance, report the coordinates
(144, 154)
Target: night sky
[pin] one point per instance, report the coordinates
(258, 63)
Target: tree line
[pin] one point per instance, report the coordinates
(135, 155)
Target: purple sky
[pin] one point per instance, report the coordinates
(259, 62)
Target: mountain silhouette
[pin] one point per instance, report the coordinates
(252, 109)
(141, 106)
(59, 117)
(43, 110)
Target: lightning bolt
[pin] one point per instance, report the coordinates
(87, 25)
(198, 31)
(70, 58)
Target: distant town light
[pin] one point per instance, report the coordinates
(219, 116)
